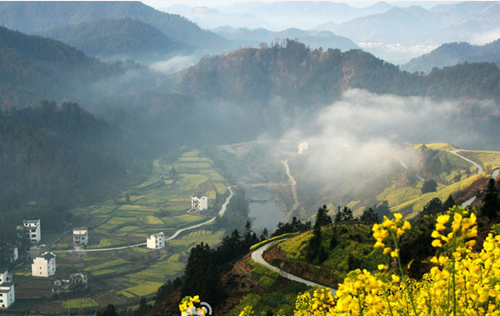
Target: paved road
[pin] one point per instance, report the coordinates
(221, 212)
(406, 167)
(257, 257)
(479, 168)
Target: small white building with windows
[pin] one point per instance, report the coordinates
(44, 265)
(81, 236)
(199, 202)
(156, 241)
(7, 290)
(33, 229)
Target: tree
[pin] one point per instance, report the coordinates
(322, 217)
(491, 206)
(449, 203)
(383, 210)
(429, 186)
(369, 216)
(434, 207)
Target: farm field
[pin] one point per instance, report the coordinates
(160, 204)
(409, 199)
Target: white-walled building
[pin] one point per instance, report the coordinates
(81, 236)
(44, 265)
(156, 241)
(303, 147)
(7, 290)
(199, 202)
(33, 229)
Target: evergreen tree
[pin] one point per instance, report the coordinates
(429, 186)
(491, 206)
(369, 216)
(434, 207)
(449, 203)
(322, 217)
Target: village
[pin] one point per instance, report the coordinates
(43, 262)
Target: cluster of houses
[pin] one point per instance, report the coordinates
(44, 263)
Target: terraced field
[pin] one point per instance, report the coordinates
(161, 203)
(410, 200)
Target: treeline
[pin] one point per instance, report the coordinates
(298, 75)
(116, 37)
(53, 156)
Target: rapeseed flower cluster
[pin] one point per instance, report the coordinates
(187, 306)
(461, 282)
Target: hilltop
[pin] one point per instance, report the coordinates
(455, 53)
(125, 38)
(35, 17)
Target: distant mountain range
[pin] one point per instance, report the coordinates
(400, 33)
(276, 16)
(455, 53)
(118, 39)
(314, 39)
(42, 16)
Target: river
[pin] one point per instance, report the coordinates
(266, 206)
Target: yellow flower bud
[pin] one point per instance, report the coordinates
(437, 243)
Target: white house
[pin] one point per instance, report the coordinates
(156, 241)
(199, 202)
(80, 236)
(7, 290)
(303, 147)
(44, 265)
(33, 229)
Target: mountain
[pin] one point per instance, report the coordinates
(401, 25)
(306, 14)
(455, 53)
(298, 75)
(34, 68)
(117, 39)
(35, 17)
(209, 18)
(402, 33)
(315, 39)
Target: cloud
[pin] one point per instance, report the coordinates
(174, 64)
(364, 133)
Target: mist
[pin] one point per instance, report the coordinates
(363, 135)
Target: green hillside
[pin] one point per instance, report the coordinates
(455, 53)
(34, 68)
(123, 38)
(35, 17)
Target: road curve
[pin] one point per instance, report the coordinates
(257, 257)
(479, 168)
(177, 233)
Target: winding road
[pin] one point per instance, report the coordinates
(257, 257)
(479, 168)
(479, 171)
(177, 233)
(287, 216)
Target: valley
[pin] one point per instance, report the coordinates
(261, 158)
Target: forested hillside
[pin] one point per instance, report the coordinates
(455, 53)
(33, 17)
(117, 38)
(300, 75)
(34, 68)
(53, 156)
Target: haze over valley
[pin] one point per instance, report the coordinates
(150, 152)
